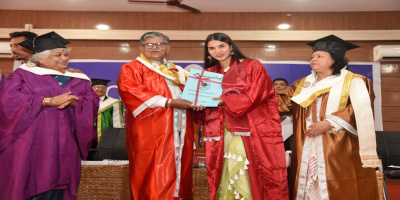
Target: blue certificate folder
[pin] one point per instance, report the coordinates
(210, 87)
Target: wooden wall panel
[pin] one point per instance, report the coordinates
(6, 65)
(391, 99)
(204, 21)
(390, 78)
(391, 114)
(390, 84)
(391, 126)
(390, 69)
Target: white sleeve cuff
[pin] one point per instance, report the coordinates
(159, 103)
(336, 126)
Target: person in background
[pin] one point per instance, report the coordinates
(46, 124)
(245, 155)
(110, 109)
(159, 128)
(280, 84)
(334, 147)
(19, 52)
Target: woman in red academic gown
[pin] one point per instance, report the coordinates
(244, 146)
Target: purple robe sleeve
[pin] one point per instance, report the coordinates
(17, 109)
(85, 112)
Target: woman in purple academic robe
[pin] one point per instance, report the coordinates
(46, 124)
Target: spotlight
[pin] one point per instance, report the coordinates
(103, 27)
(283, 26)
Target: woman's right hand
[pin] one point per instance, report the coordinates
(318, 128)
(64, 100)
(220, 102)
(199, 108)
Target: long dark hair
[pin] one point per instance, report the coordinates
(209, 61)
(340, 63)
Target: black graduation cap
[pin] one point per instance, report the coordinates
(45, 42)
(97, 81)
(332, 44)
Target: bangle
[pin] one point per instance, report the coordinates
(332, 131)
(168, 103)
(330, 125)
(47, 101)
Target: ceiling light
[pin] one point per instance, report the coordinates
(103, 27)
(283, 26)
(271, 46)
(124, 48)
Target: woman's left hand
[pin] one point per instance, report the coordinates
(221, 101)
(318, 128)
(67, 103)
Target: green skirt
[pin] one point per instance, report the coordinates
(235, 183)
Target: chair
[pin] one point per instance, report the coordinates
(388, 149)
(112, 145)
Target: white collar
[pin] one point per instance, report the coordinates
(44, 71)
(309, 88)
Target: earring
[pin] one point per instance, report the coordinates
(232, 53)
(209, 57)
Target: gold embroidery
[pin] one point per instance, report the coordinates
(332, 131)
(299, 87)
(371, 161)
(346, 90)
(164, 69)
(98, 126)
(314, 96)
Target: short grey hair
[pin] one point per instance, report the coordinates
(153, 34)
(43, 55)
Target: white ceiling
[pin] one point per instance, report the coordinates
(206, 5)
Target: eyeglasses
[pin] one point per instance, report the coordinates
(158, 44)
(99, 88)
